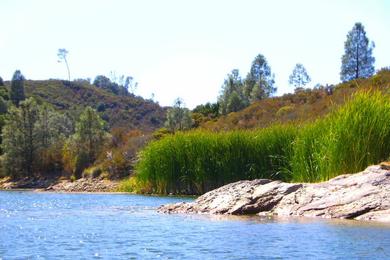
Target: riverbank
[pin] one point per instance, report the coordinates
(361, 196)
(60, 185)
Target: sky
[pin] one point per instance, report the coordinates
(185, 48)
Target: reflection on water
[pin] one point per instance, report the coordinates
(112, 226)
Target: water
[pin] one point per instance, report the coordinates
(119, 226)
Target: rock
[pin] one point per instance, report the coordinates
(84, 185)
(361, 196)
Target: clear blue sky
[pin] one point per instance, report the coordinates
(179, 48)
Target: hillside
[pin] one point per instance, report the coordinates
(303, 105)
(131, 112)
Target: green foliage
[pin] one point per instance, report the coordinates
(210, 110)
(357, 61)
(3, 106)
(346, 141)
(117, 85)
(309, 104)
(178, 117)
(132, 112)
(160, 133)
(17, 88)
(132, 185)
(299, 77)
(260, 81)
(237, 94)
(232, 97)
(195, 162)
(82, 149)
(29, 133)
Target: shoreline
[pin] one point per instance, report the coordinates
(82, 185)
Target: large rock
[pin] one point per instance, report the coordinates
(362, 196)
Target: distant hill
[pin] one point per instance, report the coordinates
(303, 105)
(132, 112)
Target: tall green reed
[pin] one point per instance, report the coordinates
(346, 141)
(198, 161)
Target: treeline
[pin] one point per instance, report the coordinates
(345, 141)
(238, 93)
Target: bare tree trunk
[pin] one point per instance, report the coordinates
(67, 67)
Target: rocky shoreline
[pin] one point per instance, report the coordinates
(58, 185)
(362, 196)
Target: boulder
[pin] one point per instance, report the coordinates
(361, 196)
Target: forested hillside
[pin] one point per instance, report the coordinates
(130, 111)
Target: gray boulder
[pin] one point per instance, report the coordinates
(362, 196)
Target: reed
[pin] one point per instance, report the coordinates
(346, 141)
(198, 161)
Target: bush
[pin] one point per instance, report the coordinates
(92, 172)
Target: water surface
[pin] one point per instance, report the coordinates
(120, 226)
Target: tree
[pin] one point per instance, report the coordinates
(82, 148)
(17, 88)
(357, 61)
(62, 54)
(299, 77)
(103, 82)
(125, 84)
(259, 82)
(3, 107)
(178, 117)
(90, 132)
(20, 138)
(232, 96)
(210, 110)
(1, 82)
(118, 85)
(29, 131)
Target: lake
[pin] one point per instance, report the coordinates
(120, 226)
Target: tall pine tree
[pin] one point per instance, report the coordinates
(17, 88)
(259, 83)
(357, 61)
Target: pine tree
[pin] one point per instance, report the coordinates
(357, 61)
(299, 77)
(17, 88)
(20, 138)
(90, 132)
(232, 96)
(259, 83)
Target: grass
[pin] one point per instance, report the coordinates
(198, 161)
(347, 140)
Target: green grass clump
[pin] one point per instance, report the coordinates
(346, 141)
(198, 161)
